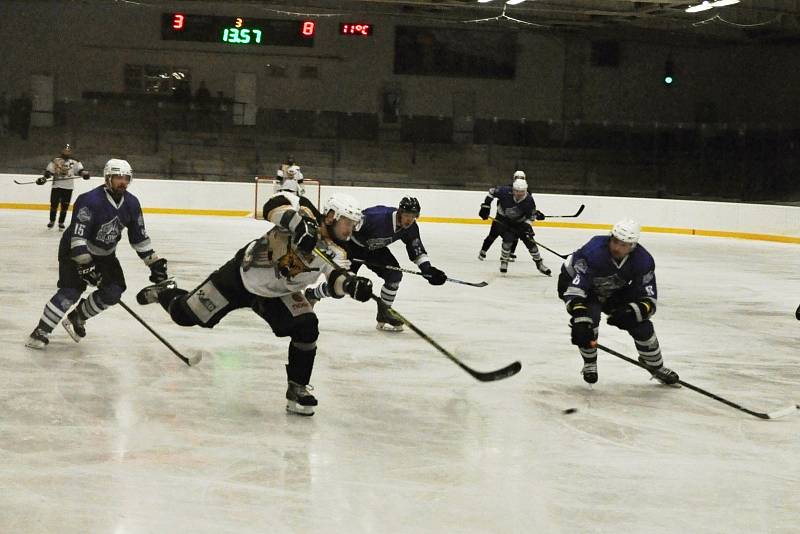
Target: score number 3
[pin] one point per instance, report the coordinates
(241, 35)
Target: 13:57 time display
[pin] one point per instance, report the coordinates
(241, 35)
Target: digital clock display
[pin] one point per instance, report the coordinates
(355, 28)
(237, 30)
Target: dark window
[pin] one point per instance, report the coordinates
(457, 53)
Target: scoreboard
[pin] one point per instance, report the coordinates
(246, 31)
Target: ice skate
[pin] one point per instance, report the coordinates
(149, 294)
(663, 374)
(589, 372)
(387, 321)
(74, 325)
(299, 399)
(38, 339)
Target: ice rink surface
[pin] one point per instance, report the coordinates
(115, 435)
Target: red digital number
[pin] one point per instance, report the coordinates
(308, 28)
(178, 21)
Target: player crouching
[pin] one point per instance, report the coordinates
(269, 276)
(615, 275)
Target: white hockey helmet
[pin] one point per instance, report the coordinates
(292, 170)
(519, 174)
(627, 231)
(520, 184)
(343, 205)
(290, 186)
(117, 167)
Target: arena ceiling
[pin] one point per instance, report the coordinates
(750, 20)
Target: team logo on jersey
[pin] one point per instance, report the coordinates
(110, 232)
(581, 266)
(84, 215)
(378, 242)
(646, 279)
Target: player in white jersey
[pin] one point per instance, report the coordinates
(269, 275)
(63, 170)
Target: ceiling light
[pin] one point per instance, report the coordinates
(514, 2)
(723, 3)
(705, 6)
(484, 1)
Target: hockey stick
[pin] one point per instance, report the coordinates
(761, 415)
(577, 213)
(400, 269)
(193, 360)
(46, 180)
(490, 376)
(501, 223)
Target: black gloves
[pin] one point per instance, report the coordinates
(582, 331)
(631, 314)
(89, 275)
(358, 287)
(306, 234)
(581, 323)
(41, 180)
(484, 211)
(436, 277)
(158, 271)
(85, 175)
(539, 215)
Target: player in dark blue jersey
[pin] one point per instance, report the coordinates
(496, 229)
(86, 254)
(615, 275)
(516, 210)
(382, 226)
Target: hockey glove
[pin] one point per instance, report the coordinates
(41, 180)
(306, 234)
(581, 323)
(524, 230)
(85, 175)
(158, 271)
(484, 211)
(358, 287)
(631, 314)
(89, 274)
(539, 215)
(436, 277)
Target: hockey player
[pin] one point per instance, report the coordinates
(496, 229)
(615, 275)
(382, 226)
(269, 274)
(63, 170)
(86, 254)
(516, 209)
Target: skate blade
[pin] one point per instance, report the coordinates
(35, 344)
(386, 327)
(299, 409)
(67, 324)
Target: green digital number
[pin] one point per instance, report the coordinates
(241, 35)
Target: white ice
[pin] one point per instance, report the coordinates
(116, 435)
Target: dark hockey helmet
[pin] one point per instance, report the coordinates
(410, 205)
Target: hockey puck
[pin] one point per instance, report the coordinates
(570, 410)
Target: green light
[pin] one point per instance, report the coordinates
(241, 36)
(668, 80)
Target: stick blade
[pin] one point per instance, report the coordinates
(195, 358)
(500, 374)
(580, 210)
(783, 412)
